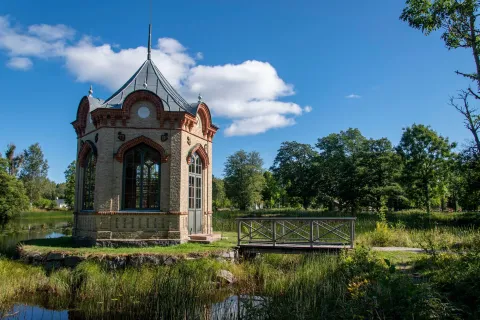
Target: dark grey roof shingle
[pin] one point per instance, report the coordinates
(148, 77)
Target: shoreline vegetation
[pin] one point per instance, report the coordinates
(440, 283)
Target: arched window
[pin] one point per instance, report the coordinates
(88, 182)
(195, 194)
(141, 178)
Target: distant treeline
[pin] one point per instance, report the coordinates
(24, 182)
(347, 171)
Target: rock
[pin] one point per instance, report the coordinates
(169, 261)
(72, 261)
(52, 265)
(226, 276)
(55, 256)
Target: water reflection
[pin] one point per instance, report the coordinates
(233, 307)
(27, 229)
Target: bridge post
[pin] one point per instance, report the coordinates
(311, 233)
(274, 232)
(239, 231)
(352, 233)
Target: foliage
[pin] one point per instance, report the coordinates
(293, 167)
(219, 197)
(70, 184)
(244, 178)
(272, 193)
(12, 196)
(34, 171)
(426, 157)
(14, 161)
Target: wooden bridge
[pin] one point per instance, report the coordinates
(295, 235)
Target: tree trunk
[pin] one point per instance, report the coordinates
(305, 202)
(427, 197)
(473, 39)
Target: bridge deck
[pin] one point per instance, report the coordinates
(295, 235)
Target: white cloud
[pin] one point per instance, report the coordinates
(16, 42)
(20, 63)
(256, 125)
(307, 109)
(247, 93)
(353, 96)
(49, 33)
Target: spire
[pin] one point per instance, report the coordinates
(149, 56)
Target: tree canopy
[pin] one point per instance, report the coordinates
(244, 178)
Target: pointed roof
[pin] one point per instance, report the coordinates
(148, 77)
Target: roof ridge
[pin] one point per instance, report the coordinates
(169, 88)
(129, 81)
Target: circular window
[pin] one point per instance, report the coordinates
(143, 112)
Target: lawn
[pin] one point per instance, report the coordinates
(66, 245)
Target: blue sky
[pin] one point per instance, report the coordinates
(261, 65)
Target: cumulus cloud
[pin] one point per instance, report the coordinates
(19, 63)
(256, 125)
(353, 96)
(49, 33)
(246, 93)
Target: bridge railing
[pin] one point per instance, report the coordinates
(313, 232)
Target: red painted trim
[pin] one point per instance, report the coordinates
(136, 141)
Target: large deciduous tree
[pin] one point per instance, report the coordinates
(244, 178)
(458, 21)
(425, 156)
(34, 171)
(14, 161)
(218, 193)
(70, 184)
(12, 196)
(293, 168)
(272, 192)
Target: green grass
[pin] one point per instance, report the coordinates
(66, 245)
(36, 215)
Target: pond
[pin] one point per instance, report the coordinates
(27, 227)
(233, 307)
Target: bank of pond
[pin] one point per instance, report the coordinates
(361, 283)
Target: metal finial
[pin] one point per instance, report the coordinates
(200, 98)
(90, 92)
(149, 55)
(145, 85)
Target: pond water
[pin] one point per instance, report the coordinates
(233, 307)
(22, 229)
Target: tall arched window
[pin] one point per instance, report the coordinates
(88, 182)
(141, 178)
(195, 194)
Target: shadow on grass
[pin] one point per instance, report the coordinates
(61, 242)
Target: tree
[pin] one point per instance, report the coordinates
(34, 171)
(425, 156)
(218, 193)
(470, 114)
(14, 161)
(458, 21)
(70, 184)
(12, 197)
(460, 29)
(272, 192)
(293, 167)
(60, 190)
(243, 178)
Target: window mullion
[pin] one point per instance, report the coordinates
(141, 179)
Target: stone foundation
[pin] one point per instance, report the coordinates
(157, 228)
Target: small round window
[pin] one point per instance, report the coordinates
(143, 112)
